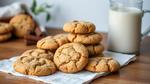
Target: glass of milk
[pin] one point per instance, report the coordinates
(125, 18)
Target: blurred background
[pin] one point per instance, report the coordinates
(95, 11)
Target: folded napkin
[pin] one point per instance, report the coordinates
(11, 10)
(83, 77)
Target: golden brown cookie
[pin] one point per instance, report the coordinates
(71, 57)
(95, 49)
(80, 27)
(22, 23)
(32, 65)
(52, 42)
(102, 64)
(5, 28)
(92, 38)
(4, 37)
(39, 53)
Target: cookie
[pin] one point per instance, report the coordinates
(34, 65)
(92, 38)
(4, 37)
(80, 27)
(102, 64)
(22, 23)
(39, 53)
(5, 28)
(95, 49)
(71, 57)
(52, 42)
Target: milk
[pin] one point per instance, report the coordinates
(124, 29)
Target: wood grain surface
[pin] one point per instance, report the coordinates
(137, 72)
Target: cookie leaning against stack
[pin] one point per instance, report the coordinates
(5, 31)
(52, 42)
(84, 32)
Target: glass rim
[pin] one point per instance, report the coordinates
(129, 1)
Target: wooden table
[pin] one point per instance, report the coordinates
(137, 72)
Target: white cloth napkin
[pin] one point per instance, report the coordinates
(83, 77)
(11, 10)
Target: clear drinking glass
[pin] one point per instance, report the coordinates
(125, 19)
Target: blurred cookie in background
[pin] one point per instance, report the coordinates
(22, 23)
(5, 28)
(5, 31)
(4, 37)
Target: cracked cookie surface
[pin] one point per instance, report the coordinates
(92, 38)
(102, 64)
(5, 28)
(95, 49)
(71, 57)
(39, 53)
(80, 27)
(31, 65)
(52, 42)
(22, 23)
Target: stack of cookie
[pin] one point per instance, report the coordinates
(84, 32)
(68, 57)
(5, 31)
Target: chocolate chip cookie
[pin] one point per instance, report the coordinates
(22, 23)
